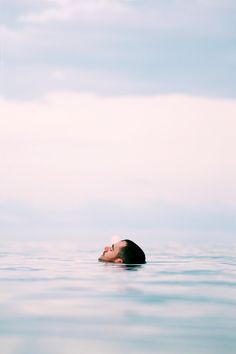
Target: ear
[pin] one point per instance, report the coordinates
(118, 260)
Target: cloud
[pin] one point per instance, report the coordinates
(118, 47)
(228, 4)
(74, 10)
(152, 142)
(59, 75)
(148, 15)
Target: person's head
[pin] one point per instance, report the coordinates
(124, 251)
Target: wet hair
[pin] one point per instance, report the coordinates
(132, 253)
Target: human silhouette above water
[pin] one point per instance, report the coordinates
(124, 251)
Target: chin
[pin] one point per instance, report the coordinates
(102, 259)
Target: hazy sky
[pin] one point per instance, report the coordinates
(118, 117)
(118, 47)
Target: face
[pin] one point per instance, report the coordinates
(110, 254)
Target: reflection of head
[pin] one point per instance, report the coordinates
(132, 253)
(124, 251)
(131, 267)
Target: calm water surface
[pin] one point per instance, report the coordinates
(57, 299)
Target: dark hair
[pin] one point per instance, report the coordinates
(132, 253)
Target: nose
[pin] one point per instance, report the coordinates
(106, 248)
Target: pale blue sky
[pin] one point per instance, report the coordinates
(118, 117)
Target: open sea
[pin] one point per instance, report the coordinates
(56, 298)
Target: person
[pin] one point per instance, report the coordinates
(124, 251)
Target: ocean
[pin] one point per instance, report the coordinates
(56, 298)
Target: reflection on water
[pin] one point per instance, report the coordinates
(123, 267)
(59, 299)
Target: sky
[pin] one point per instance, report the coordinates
(118, 117)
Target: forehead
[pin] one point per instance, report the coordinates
(120, 244)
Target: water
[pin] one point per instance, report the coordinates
(57, 299)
